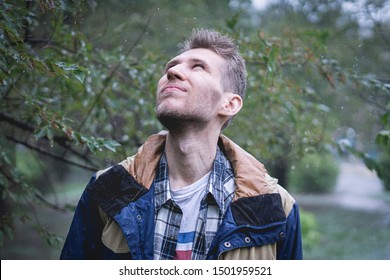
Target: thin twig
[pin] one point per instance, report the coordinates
(59, 158)
(378, 26)
(49, 204)
(61, 141)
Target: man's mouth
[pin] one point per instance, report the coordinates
(173, 87)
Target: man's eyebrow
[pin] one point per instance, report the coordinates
(171, 63)
(198, 60)
(191, 60)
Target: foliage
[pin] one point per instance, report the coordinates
(58, 95)
(353, 59)
(310, 232)
(349, 234)
(77, 85)
(75, 98)
(290, 119)
(383, 168)
(381, 164)
(315, 173)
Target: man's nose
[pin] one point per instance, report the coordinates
(175, 72)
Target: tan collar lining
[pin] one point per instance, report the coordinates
(250, 174)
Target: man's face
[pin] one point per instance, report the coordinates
(190, 90)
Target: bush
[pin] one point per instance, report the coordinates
(315, 173)
(384, 167)
(310, 231)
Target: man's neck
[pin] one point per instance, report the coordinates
(190, 156)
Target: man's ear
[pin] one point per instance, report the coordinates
(231, 104)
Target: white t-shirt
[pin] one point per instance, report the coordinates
(188, 199)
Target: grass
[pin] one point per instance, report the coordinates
(350, 235)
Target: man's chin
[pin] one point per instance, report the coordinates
(170, 122)
(178, 122)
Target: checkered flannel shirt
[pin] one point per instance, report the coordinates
(218, 195)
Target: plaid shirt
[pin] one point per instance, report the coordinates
(218, 195)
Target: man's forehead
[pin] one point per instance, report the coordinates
(200, 54)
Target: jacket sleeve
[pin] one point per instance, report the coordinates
(291, 247)
(84, 237)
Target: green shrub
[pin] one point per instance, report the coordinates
(315, 173)
(310, 232)
(384, 167)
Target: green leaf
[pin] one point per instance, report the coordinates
(66, 66)
(78, 71)
(57, 70)
(370, 162)
(111, 144)
(383, 138)
(232, 22)
(92, 147)
(3, 182)
(385, 118)
(70, 207)
(42, 132)
(80, 75)
(77, 137)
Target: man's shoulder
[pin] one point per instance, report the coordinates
(287, 199)
(251, 176)
(142, 164)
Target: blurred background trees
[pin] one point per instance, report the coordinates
(78, 81)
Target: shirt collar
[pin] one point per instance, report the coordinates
(161, 183)
(221, 181)
(220, 184)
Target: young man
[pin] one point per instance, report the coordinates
(190, 192)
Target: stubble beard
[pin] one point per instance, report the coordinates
(177, 121)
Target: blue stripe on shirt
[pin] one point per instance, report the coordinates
(186, 237)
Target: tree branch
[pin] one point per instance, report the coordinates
(61, 141)
(56, 157)
(49, 204)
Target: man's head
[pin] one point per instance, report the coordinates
(234, 76)
(207, 71)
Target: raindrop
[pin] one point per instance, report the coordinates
(293, 167)
(115, 86)
(125, 138)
